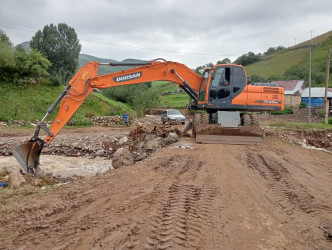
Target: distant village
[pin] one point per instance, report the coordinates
(296, 93)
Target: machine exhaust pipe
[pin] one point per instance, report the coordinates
(27, 154)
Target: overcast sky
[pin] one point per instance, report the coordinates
(188, 31)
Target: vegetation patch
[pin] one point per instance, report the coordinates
(31, 102)
(287, 110)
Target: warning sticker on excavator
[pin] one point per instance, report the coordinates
(85, 73)
(128, 77)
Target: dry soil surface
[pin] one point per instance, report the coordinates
(271, 196)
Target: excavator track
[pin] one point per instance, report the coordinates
(200, 119)
(248, 133)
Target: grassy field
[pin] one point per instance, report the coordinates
(178, 101)
(161, 87)
(172, 99)
(31, 103)
(279, 63)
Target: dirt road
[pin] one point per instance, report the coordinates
(273, 196)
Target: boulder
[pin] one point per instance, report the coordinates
(121, 157)
(35, 181)
(140, 156)
(149, 137)
(123, 140)
(100, 152)
(15, 180)
(172, 138)
(152, 145)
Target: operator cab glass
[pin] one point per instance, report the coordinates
(203, 85)
(226, 83)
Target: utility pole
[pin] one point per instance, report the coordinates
(309, 114)
(326, 103)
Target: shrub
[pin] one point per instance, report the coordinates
(287, 110)
(79, 120)
(302, 105)
(89, 115)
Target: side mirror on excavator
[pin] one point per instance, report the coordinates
(248, 80)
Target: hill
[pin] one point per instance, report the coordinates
(104, 69)
(24, 45)
(279, 63)
(31, 102)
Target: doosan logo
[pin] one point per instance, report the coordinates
(128, 77)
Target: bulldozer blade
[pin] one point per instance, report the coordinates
(241, 135)
(27, 154)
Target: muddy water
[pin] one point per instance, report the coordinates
(61, 166)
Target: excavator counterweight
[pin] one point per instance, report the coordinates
(221, 96)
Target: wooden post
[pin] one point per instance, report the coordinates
(326, 103)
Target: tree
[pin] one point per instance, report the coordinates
(225, 61)
(199, 70)
(7, 61)
(60, 45)
(140, 96)
(273, 50)
(30, 67)
(248, 58)
(4, 38)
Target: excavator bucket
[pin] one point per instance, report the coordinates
(27, 154)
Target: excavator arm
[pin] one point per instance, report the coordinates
(87, 79)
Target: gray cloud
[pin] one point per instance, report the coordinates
(227, 28)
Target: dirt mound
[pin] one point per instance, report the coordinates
(320, 139)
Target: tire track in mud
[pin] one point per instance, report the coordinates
(182, 219)
(289, 194)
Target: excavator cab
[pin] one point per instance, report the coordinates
(223, 94)
(220, 85)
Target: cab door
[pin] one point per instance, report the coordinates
(220, 92)
(227, 82)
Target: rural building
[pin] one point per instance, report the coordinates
(293, 91)
(317, 96)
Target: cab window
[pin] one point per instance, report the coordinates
(202, 88)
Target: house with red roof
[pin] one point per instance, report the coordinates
(293, 91)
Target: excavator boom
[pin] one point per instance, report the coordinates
(82, 84)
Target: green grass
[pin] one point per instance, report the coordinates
(172, 100)
(179, 100)
(164, 87)
(287, 110)
(32, 102)
(277, 64)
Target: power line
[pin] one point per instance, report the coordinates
(130, 46)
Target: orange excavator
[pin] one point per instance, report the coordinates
(221, 96)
